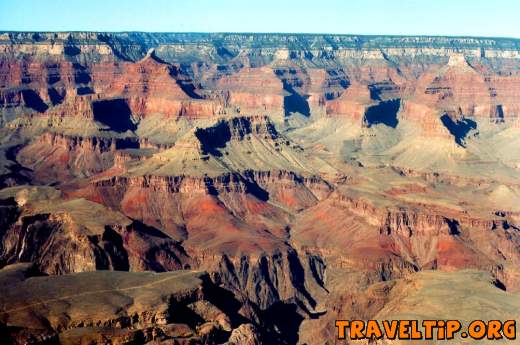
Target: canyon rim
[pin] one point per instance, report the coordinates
(213, 188)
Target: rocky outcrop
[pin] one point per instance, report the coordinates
(115, 307)
(426, 238)
(56, 157)
(68, 238)
(244, 334)
(313, 177)
(79, 236)
(447, 291)
(439, 74)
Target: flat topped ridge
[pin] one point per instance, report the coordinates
(263, 39)
(457, 59)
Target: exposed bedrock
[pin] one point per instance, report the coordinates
(182, 307)
(70, 237)
(60, 242)
(427, 239)
(307, 178)
(280, 80)
(55, 157)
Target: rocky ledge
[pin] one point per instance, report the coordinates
(180, 307)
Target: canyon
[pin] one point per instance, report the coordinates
(190, 188)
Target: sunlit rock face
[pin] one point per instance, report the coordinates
(253, 188)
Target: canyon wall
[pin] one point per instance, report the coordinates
(310, 177)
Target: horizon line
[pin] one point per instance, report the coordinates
(260, 33)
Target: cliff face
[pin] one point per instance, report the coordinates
(204, 75)
(178, 305)
(310, 176)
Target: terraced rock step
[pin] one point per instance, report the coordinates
(313, 177)
(119, 307)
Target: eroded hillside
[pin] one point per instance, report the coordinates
(292, 180)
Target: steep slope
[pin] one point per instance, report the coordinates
(313, 177)
(111, 307)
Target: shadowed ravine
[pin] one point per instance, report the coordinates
(248, 189)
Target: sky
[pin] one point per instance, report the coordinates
(492, 18)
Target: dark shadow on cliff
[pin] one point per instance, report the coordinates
(182, 314)
(459, 128)
(318, 266)
(213, 138)
(210, 187)
(223, 299)
(127, 143)
(53, 74)
(188, 88)
(71, 50)
(499, 110)
(224, 53)
(181, 79)
(34, 101)
(17, 174)
(115, 250)
(380, 91)
(117, 45)
(115, 114)
(81, 74)
(84, 90)
(253, 188)
(499, 285)
(375, 93)
(164, 251)
(147, 230)
(384, 112)
(298, 277)
(9, 213)
(295, 103)
(55, 97)
(453, 226)
(282, 323)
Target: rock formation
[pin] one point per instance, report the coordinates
(252, 188)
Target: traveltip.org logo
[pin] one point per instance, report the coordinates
(425, 330)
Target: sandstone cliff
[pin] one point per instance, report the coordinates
(311, 177)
